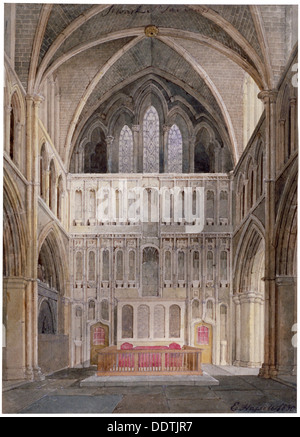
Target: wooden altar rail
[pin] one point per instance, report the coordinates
(112, 361)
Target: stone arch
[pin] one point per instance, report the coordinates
(249, 299)
(52, 235)
(15, 240)
(16, 124)
(249, 241)
(46, 318)
(53, 342)
(285, 236)
(92, 141)
(150, 271)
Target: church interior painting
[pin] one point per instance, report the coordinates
(149, 185)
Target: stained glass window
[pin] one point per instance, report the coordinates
(126, 150)
(175, 150)
(151, 141)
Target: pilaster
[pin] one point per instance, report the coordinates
(269, 99)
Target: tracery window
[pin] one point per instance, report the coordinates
(126, 150)
(151, 141)
(175, 150)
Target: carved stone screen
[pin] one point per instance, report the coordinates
(174, 321)
(119, 266)
(78, 205)
(105, 265)
(126, 150)
(131, 273)
(223, 266)
(159, 321)
(196, 310)
(175, 150)
(181, 266)
(91, 266)
(150, 272)
(151, 141)
(168, 266)
(143, 321)
(79, 266)
(104, 309)
(91, 311)
(196, 266)
(127, 321)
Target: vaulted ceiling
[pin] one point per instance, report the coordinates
(95, 49)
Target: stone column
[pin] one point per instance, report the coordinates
(269, 98)
(8, 110)
(18, 357)
(57, 121)
(292, 126)
(135, 134)
(192, 143)
(109, 142)
(35, 186)
(217, 153)
(285, 350)
(281, 144)
(165, 151)
(52, 110)
(29, 249)
(236, 300)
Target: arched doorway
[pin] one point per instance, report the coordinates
(249, 300)
(203, 340)
(53, 344)
(99, 339)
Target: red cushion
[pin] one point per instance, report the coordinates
(126, 346)
(174, 346)
(150, 347)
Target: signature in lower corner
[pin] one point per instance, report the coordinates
(240, 407)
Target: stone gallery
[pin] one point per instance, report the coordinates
(149, 185)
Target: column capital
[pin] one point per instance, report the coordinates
(35, 98)
(166, 127)
(109, 139)
(268, 96)
(136, 127)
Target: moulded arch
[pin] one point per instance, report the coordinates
(150, 96)
(285, 234)
(52, 234)
(119, 112)
(15, 234)
(178, 116)
(16, 97)
(252, 235)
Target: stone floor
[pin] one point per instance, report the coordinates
(239, 391)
